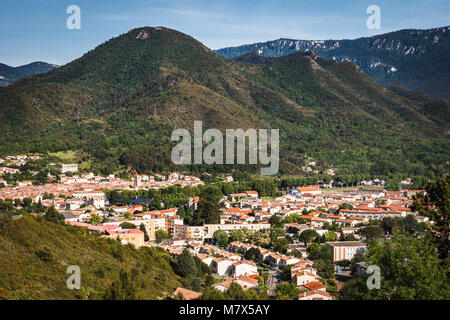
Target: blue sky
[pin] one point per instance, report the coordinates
(33, 30)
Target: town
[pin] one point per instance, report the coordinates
(297, 245)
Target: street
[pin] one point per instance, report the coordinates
(272, 281)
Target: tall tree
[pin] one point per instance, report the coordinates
(208, 210)
(307, 236)
(409, 268)
(221, 237)
(372, 232)
(185, 265)
(142, 228)
(237, 235)
(436, 206)
(122, 289)
(52, 215)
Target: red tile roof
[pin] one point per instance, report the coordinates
(187, 294)
(315, 285)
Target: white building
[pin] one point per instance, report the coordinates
(315, 295)
(220, 266)
(211, 228)
(188, 232)
(303, 277)
(286, 261)
(243, 268)
(346, 249)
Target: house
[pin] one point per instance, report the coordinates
(74, 204)
(185, 294)
(69, 216)
(273, 259)
(243, 268)
(223, 286)
(96, 201)
(263, 254)
(237, 196)
(317, 222)
(286, 261)
(211, 228)
(313, 190)
(25, 183)
(322, 184)
(303, 277)
(244, 281)
(301, 250)
(133, 236)
(181, 231)
(231, 256)
(252, 194)
(315, 285)
(315, 295)
(137, 180)
(221, 266)
(285, 213)
(346, 231)
(9, 170)
(206, 259)
(63, 168)
(347, 222)
(119, 209)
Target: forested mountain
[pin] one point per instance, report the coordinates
(119, 103)
(10, 74)
(417, 59)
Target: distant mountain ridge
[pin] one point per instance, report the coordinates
(417, 59)
(10, 74)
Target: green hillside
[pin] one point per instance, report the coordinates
(35, 254)
(119, 103)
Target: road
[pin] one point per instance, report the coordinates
(272, 281)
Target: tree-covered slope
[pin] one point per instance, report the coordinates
(35, 255)
(418, 59)
(354, 116)
(120, 101)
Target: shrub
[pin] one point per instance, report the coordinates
(45, 254)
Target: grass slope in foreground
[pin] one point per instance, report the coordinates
(35, 254)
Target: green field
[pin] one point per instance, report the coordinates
(351, 188)
(68, 156)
